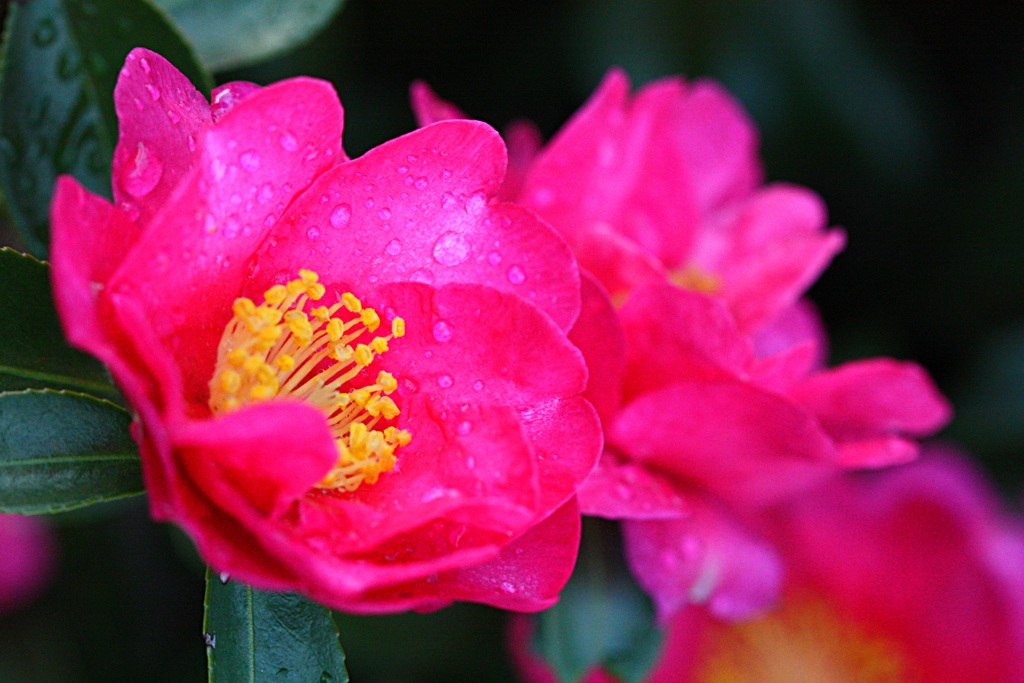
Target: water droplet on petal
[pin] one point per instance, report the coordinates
(266, 194)
(142, 172)
(394, 248)
(442, 331)
(478, 385)
(464, 428)
(421, 183)
(144, 63)
(507, 587)
(173, 116)
(402, 170)
(447, 199)
(288, 142)
(494, 258)
(445, 381)
(384, 214)
(191, 143)
(341, 215)
(516, 275)
(476, 202)
(154, 92)
(250, 160)
(313, 232)
(422, 275)
(451, 249)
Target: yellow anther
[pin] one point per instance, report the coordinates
(370, 319)
(243, 308)
(351, 302)
(237, 357)
(379, 344)
(361, 397)
(285, 363)
(343, 354)
(398, 328)
(268, 315)
(387, 381)
(275, 295)
(357, 437)
(253, 363)
(364, 355)
(230, 382)
(262, 392)
(300, 326)
(335, 329)
(383, 406)
(321, 313)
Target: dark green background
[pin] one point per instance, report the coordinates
(908, 117)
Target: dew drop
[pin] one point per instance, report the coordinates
(288, 142)
(447, 199)
(420, 183)
(191, 143)
(516, 275)
(442, 331)
(422, 275)
(494, 258)
(217, 168)
(402, 170)
(144, 63)
(478, 385)
(250, 160)
(142, 172)
(368, 203)
(445, 381)
(154, 92)
(266, 194)
(313, 233)
(507, 587)
(464, 428)
(476, 203)
(341, 215)
(394, 248)
(384, 214)
(224, 576)
(451, 249)
(173, 116)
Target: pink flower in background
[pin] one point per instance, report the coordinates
(352, 377)
(26, 562)
(714, 395)
(912, 575)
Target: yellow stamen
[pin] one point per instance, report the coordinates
(696, 279)
(278, 350)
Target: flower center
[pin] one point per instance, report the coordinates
(696, 279)
(278, 350)
(803, 641)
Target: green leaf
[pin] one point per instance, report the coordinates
(61, 59)
(603, 619)
(61, 450)
(254, 636)
(33, 353)
(233, 33)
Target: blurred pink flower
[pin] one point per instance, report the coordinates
(375, 461)
(912, 575)
(26, 561)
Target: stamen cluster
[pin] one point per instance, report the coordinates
(277, 349)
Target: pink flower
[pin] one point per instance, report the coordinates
(911, 574)
(714, 395)
(26, 561)
(352, 377)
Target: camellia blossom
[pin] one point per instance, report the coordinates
(913, 575)
(714, 394)
(351, 377)
(26, 562)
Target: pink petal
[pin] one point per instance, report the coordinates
(598, 335)
(428, 107)
(744, 444)
(707, 558)
(874, 397)
(677, 335)
(618, 489)
(161, 115)
(195, 253)
(616, 163)
(401, 212)
(224, 97)
(524, 143)
(798, 324)
(768, 251)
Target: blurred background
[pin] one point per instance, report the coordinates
(907, 117)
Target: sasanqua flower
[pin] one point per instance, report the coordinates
(351, 377)
(911, 575)
(714, 395)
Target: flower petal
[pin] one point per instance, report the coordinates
(161, 115)
(744, 444)
(400, 212)
(598, 335)
(619, 489)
